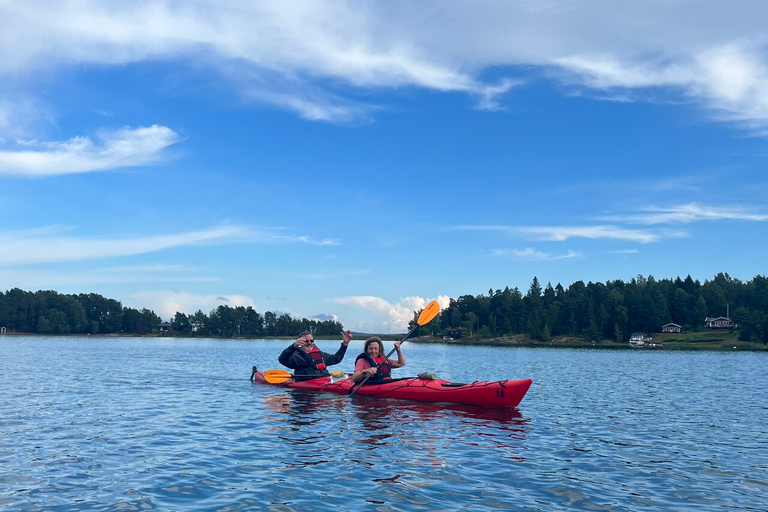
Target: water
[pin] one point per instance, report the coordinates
(174, 424)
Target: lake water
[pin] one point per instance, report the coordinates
(175, 424)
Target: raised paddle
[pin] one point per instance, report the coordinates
(426, 316)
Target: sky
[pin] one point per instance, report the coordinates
(356, 159)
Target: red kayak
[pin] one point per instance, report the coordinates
(501, 393)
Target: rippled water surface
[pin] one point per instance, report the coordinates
(174, 424)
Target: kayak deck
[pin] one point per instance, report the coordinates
(504, 393)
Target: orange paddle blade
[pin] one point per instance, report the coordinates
(276, 376)
(428, 313)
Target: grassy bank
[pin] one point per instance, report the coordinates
(704, 340)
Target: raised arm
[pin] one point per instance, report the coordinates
(400, 357)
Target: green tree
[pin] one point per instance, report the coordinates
(181, 323)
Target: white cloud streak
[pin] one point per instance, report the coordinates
(127, 147)
(79, 279)
(533, 255)
(563, 233)
(52, 244)
(688, 213)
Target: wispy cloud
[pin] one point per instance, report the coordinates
(443, 49)
(53, 244)
(127, 147)
(563, 233)
(261, 47)
(320, 51)
(43, 278)
(397, 314)
(533, 255)
(688, 213)
(314, 105)
(730, 79)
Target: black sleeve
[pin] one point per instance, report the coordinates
(286, 357)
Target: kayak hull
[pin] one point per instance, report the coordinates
(505, 393)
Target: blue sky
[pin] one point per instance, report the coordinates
(358, 159)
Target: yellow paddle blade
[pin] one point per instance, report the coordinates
(428, 313)
(276, 376)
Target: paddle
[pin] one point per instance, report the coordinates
(276, 376)
(426, 316)
(280, 376)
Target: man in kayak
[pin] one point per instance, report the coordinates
(373, 354)
(309, 362)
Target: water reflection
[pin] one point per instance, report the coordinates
(372, 409)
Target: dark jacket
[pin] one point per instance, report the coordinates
(302, 365)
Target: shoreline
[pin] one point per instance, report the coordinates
(521, 340)
(689, 341)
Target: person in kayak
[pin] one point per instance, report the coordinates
(373, 354)
(309, 362)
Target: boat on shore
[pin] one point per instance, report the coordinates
(496, 394)
(642, 340)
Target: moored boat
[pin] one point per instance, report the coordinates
(502, 393)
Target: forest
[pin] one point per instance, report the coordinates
(607, 311)
(595, 311)
(49, 312)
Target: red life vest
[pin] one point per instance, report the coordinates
(384, 370)
(317, 358)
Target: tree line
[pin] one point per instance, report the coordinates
(596, 311)
(607, 311)
(50, 312)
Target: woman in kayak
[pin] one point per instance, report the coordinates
(309, 362)
(373, 354)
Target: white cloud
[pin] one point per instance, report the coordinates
(127, 147)
(167, 302)
(300, 55)
(312, 106)
(80, 279)
(691, 212)
(731, 79)
(392, 315)
(53, 244)
(22, 249)
(563, 233)
(534, 255)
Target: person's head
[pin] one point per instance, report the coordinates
(308, 338)
(374, 347)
